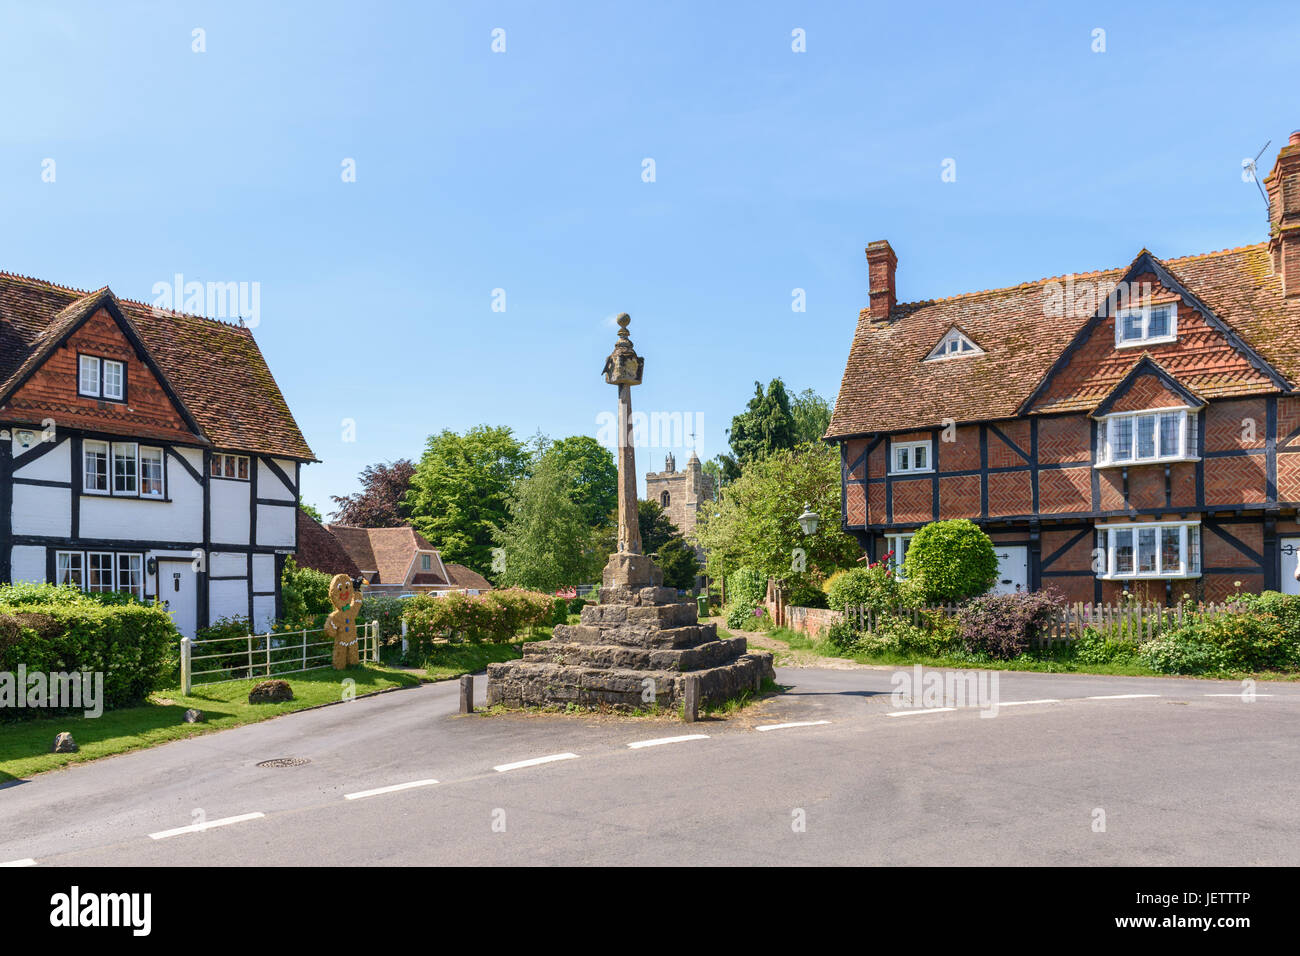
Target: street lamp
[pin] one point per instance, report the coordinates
(808, 520)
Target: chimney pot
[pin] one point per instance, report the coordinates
(1295, 138)
(1283, 188)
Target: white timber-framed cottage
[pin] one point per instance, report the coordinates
(145, 451)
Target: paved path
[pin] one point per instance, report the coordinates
(1181, 777)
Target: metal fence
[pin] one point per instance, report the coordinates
(1132, 622)
(217, 660)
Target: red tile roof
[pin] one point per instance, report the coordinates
(887, 385)
(390, 551)
(215, 368)
(319, 549)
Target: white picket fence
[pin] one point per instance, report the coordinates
(266, 655)
(1132, 622)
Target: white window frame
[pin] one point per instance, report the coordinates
(85, 362)
(137, 570)
(80, 569)
(1108, 425)
(120, 393)
(909, 446)
(133, 458)
(112, 572)
(944, 350)
(1145, 312)
(86, 449)
(1189, 547)
(898, 543)
(220, 458)
(162, 470)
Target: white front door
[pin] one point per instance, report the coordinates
(1013, 568)
(178, 590)
(1289, 562)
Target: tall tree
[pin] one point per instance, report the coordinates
(755, 520)
(379, 503)
(594, 485)
(655, 526)
(548, 542)
(765, 426)
(811, 414)
(680, 565)
(459, 494)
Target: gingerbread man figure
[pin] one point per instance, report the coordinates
(341, 625)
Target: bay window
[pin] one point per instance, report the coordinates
(1166, 434)
(1155, 549)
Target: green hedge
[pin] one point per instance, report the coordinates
(495, 616)
(135, 646)
(951, 561)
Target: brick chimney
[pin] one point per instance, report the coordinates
(1283, 185)
(881, 264)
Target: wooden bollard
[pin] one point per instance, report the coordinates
(691, 699)
(467, 694)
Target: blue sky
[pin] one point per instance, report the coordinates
(522, 171)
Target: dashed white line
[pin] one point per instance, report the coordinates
(1120, 696)
(209, 825)
(534, 762)
(636, 744)
(920, 710)
(797, 723)
(27, 862)
(393, 789)
(1021, 703)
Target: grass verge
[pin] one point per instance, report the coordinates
(25, 744)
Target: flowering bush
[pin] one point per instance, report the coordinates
(1004, 625)
(875, 586)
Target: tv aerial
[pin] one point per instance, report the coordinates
(1249, 166)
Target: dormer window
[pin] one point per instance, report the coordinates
(954, 345)
(101, 378)
(426, 562)
(1147, 325)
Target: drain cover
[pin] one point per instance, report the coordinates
(284, 762)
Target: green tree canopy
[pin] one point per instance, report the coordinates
(754, 522)
(811, 414)
(594, 475)
(459, 493)
(676, 557)
(548, 542)
(766, 425)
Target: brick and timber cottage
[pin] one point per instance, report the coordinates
(143, 451)
(1134, 429)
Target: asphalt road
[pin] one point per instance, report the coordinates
(1184, 777)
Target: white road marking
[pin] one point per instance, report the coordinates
(393, 789)
(636, 744)
(27, 862)
(1240, 694)
(1120, 696)
(534, 762)
(797, 723)
(1021, 703)
(200, 827)
(919, 710)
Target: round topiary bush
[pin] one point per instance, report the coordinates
(951, 561)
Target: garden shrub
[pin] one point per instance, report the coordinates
(498, 615)
(1182, 651)
(559, 611)
(802, 591)
(1005, 625)
(387, 609)
(842, 635)
(1095, 647)
(1249, 640)
(577, 604)
(746, 586)
(874, 586)
(306, 594)
(50, 629)
(951, 561)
